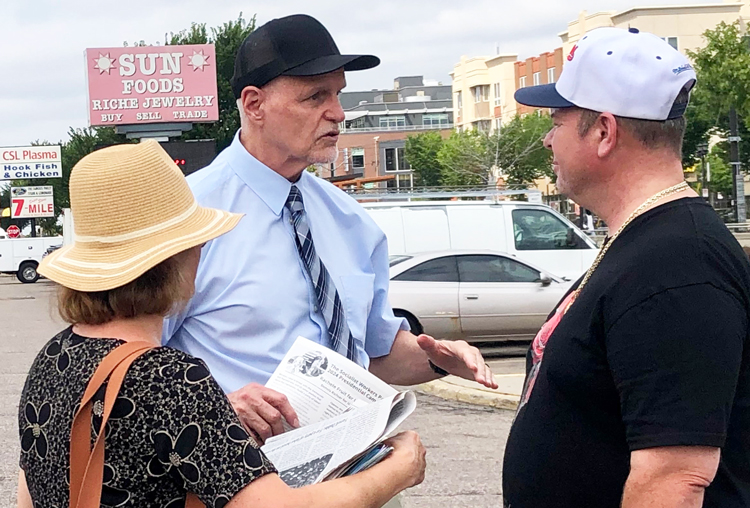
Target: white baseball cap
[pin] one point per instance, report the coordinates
(627, 73)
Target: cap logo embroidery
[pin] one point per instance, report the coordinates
(572, 53)
(682, 68)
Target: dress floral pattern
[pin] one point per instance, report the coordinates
(171, 431)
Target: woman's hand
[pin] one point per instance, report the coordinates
(409, 456)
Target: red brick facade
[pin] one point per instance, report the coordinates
(371, 146)
(541, 64)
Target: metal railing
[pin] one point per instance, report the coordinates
(398, 128)
(391, 194)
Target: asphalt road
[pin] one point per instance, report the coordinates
(465, 443)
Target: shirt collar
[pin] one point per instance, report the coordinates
(270, 186)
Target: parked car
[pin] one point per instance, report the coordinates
(532, 233)
(50, 250)
(475, 295)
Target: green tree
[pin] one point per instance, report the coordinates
(421, 153)
(465, 159)
(517, 149)
(723, 71)
(720, 170)
(227, 39)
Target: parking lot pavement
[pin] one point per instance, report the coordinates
(465, 442)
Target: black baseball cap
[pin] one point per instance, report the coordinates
(297, 45)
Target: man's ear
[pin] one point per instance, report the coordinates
(252, 103)
(607, 133)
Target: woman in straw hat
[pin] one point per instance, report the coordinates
(107, 416)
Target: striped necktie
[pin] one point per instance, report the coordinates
(329, 303)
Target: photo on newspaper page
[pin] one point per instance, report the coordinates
(321, 383)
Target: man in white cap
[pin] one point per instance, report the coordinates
(638, 387)
(306, 259)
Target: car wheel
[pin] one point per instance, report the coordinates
(27, 272)
(416, 327)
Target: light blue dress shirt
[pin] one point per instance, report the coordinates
(253, 296)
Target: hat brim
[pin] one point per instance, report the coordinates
(101, 266)
(542, 96)
(330, 63)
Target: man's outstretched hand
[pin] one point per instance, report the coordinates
(458, 358)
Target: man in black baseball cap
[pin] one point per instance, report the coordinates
(307, 260)
(297, 45)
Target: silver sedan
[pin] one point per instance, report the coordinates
(475, 295)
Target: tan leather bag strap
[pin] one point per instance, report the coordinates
(87, 465)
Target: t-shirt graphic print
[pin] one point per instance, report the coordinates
(539, 343)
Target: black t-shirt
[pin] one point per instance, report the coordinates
(654, 352)
(171, 431)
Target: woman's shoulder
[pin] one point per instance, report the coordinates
(167, 363)
(70, 355)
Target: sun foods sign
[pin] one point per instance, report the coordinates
(30, 162)
(153, 84)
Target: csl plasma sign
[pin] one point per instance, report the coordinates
(153, 84)
(30, 162)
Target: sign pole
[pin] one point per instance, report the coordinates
(737, 176)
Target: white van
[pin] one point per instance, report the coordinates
(531, 232)
(21, 256)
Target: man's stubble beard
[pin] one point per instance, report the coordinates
(324, 156)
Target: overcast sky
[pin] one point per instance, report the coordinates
(42, 83)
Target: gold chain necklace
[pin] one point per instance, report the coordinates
(650, 201)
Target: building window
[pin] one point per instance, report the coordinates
(537, 78)
(436, 120)
(672, 41)
(483, 125)
(522, 82)
(481, 93)
(395, 160)
(402, 181)
(358, 158)
(496, 89)
(498, 124)
(357, 123)
(402, 164)
(551, 75)
(392, 122)
(459, 100)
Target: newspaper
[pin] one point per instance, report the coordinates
(345, 412)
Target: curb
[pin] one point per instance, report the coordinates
(449, 391)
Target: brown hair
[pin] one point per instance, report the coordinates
(159, 291)
(652, 134)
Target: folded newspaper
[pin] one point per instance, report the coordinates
(345, 414)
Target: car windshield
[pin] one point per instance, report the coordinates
(394, 260)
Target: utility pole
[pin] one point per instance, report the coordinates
(737, 178)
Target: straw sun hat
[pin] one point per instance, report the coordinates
(132, 209)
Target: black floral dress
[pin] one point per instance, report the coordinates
(172, 429)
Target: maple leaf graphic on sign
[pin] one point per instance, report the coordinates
(198, 60)
(104, 63)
